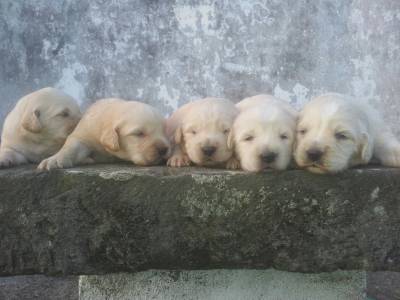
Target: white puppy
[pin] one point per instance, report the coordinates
(114, 128)
(336, 132)
(263, 133)
(200, 131)
(37, 127)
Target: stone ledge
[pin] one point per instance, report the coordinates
(118, 218)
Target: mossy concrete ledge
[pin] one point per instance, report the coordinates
(120, 218)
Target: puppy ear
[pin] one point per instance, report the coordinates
(31, 121)
(110, 139)
(366, 148)
(230, 140)
(178, 137)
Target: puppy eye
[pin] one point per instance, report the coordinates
(226, 131)
(64, 113)
(139, 134)
(193, 131)
(249, 138)
(284, 136)
(302, 131)
(341, 136)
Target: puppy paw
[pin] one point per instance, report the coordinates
(9, 159)
(53, 162)
(5, 163)
(233, 164)
(178, 161)
(392, 158)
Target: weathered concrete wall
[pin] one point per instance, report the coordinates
(118, 218)
(224, 285)
(167, 52)
(379, 285)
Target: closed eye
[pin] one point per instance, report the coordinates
(302, 131)
(341, 136)
(284, 136)
(249, 138)
(139, 133)
(64, 114)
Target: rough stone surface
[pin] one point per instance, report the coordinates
(383, 285)
(224, 285)
(169, 52)
(119, 218)
(37, 287)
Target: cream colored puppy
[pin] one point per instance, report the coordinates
(263, 134)
(114, 128)
(37, 127)
(200, 131)
(336, 132)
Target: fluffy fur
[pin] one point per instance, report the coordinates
(263, 134)
(200, 131)
(336, 132)
(114, 128)
(37, 127)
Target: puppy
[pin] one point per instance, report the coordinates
(37, 127)
(263, 133)
(114, 128)
(336, 132)
(200, 131)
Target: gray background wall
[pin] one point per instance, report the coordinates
(169, 52)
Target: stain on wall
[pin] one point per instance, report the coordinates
(167, 53)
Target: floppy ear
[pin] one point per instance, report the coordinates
(366, 148)
(230, 140)
(178, 137)
(31, 122)
(109, 139)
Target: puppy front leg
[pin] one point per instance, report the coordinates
(233, 163)
(387, 150)
(10, 158)
(73, 152)
(178, 158)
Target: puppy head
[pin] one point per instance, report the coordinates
(333, 134)
(137, 133)
(263, 137)
(204, 131)
(50, 114)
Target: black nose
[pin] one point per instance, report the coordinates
(162, 151)
(268, 157)
(208, 150)
(314, 155)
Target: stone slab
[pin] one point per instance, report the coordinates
(39, 287)
(120, 218)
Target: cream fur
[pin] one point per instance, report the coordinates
(265, 126)
(114, 128)
(200, 124)
(37, 127)
(347, 131)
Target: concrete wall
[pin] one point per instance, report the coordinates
(168, 52)
(224, 285)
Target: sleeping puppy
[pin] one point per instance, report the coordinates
(37, 127)
(263, 134)
(336, 132)
(114, 128)
(200, 131)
